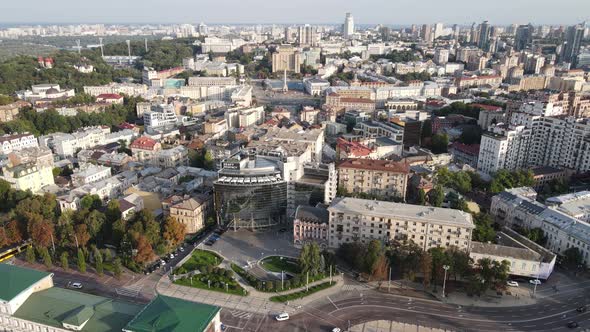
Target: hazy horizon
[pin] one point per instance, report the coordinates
(401, 12)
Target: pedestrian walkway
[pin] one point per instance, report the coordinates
(256, 301)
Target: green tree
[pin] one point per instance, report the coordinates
(374, 251)
(439, 143)
(90, 202)
(483, 232)
(64, 258)
(30, 255)
(46, 257)
(572, 257)
(81, 261)
(421, 197)
(208, 161)
(309, 259)
(117, 268)
(426, 268)
(436, 196)
(98, 262)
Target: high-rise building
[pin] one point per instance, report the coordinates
(441, 56)
(286, 58)
(307, 35)
(438, 30)
(573, 39)
(484, 35)
(524, 37)
(426, 33)
(348, 27)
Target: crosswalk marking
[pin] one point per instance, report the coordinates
(240, 314)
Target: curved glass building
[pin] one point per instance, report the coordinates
(250, 192)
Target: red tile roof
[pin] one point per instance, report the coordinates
(472, 149)
(144, 143)
(109, 96)
(488, 107)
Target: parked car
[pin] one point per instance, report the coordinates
(282, 316)
(336, 329)
(581, 309)
(572, 325)
(209, 243)
(75, 285)
(535, 281)
(512, 283)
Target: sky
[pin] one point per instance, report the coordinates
(391, 12)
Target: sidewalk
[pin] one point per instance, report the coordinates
(256, 301)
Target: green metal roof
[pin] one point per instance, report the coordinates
(55, 306)
(15, 279)
(170, 314)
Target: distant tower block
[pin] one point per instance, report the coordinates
(129, 49)
(146, 48)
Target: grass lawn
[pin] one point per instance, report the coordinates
(303, 293)
(199, 260)
(217, 284)
(276, 264)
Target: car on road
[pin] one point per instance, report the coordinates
(336, 329)
(209, 243)
(512, 283)
(581, 309)
(282, 316)
(535, 281)
(282, 230)
(572, 325)
(75, 285)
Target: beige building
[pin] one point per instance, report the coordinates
(286, 58)
(191, 212)
(353, 219)
(215, 126)
(376, 177)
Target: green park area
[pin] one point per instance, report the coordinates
(280, 263)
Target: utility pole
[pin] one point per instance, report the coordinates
(330, 274)
(446, 268)
(389, 281)
(282, 273)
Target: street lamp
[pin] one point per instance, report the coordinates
(446, 268)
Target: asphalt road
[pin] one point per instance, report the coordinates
(354, 307)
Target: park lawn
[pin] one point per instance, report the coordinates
(276, 264)
(198, 261)
(200, 281)
(300, 294)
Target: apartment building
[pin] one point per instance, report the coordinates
(145, 148)
(90, 174)
(353, 219)
(477, 81)
(16, 142)
(504, 148)
(560, 224)
(197, 81)
(191, 212)
(382, 178)
(338, 102)
(374, 129)
(129, 89)
(286, 58)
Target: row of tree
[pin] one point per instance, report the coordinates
(51, 121)
(407, 260)
(137, 239)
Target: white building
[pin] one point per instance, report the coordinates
(348, 26)
(160, 116)
(90, 174)
(45, 91)
(129, 89)
(244, 117)
(353, 219)
(315, 86)
(502, 148)
(16, 142)
(562, 230)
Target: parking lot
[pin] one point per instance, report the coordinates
(244, 246)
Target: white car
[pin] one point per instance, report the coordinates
(535, 282)
(512, 283)
(76, 285)
(282, 316)
(336, 329)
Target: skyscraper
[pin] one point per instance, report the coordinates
(573, 39)
(426, 33)
(307, 35)
(524, 37)
(484, 35)
(348, 27)
(438, 30)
